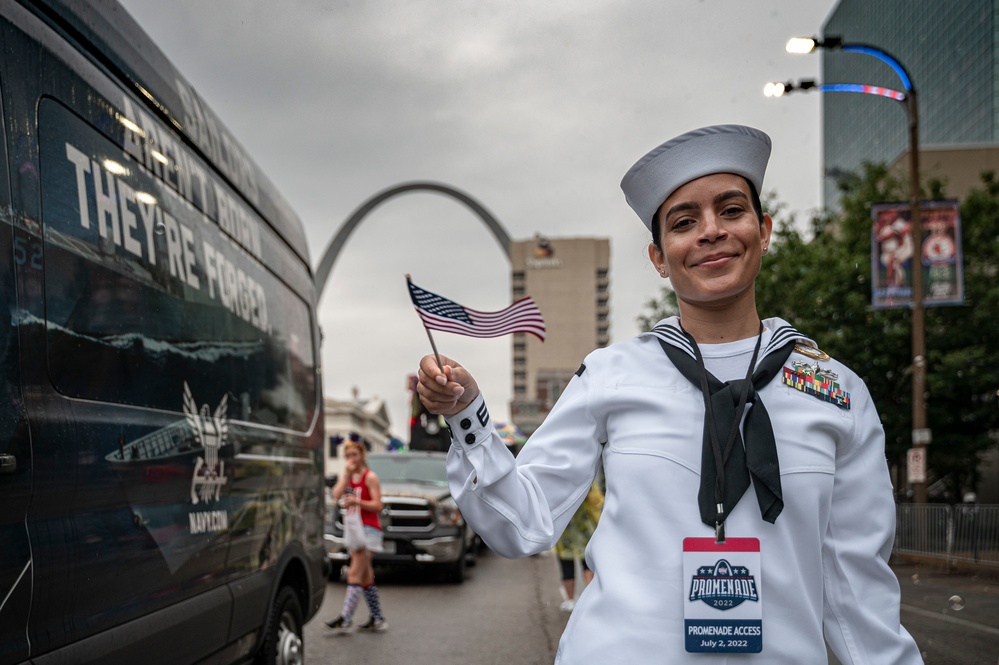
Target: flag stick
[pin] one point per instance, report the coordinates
(429, 336)
(434, 347)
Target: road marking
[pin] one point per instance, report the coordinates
(949, 619)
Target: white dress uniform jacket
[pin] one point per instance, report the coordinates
(825, 576)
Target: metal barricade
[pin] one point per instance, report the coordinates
(964, 533)
(976, 534)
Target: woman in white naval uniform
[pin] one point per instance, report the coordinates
(655, 413)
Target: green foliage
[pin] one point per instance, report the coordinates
(821, 284)
(659, 308)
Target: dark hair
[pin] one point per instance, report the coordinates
(753, 195)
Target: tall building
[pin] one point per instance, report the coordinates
(950, 51)
(569, 280)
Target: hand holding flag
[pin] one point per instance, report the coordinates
(445, 388)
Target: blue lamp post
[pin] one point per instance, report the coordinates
(921, 435)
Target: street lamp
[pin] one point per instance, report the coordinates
(907, 97)
(778, 89)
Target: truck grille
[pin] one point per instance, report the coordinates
(406, 515)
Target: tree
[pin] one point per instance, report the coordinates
(820, 283)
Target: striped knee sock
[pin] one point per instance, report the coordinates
(374, 605)
(351, 600)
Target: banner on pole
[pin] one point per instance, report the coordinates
(893, 251)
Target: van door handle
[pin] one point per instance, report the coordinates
(8, 464)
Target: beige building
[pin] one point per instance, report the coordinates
(569, 280)
(368, 417)
(960, 167)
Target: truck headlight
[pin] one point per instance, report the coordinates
(448, 513)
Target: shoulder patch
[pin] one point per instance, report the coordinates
(582, 368)
(809, 350)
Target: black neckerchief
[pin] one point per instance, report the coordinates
(721, 456)
(725, 473)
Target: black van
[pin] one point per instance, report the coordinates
(161, 466)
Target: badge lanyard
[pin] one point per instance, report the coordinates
(721, 457)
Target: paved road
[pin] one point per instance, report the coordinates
(954, 617)
(507, 612)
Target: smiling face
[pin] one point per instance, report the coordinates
(711, 243)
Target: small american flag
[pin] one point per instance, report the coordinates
(439, 313)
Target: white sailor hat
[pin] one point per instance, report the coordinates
(717, 149)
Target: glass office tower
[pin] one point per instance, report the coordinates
(949, 50)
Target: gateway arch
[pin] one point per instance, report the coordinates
(336, 245)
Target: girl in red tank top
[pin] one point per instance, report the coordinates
(359, 487)
(368, 517)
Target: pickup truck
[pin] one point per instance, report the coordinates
(421, 523)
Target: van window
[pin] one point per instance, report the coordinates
(144, 292)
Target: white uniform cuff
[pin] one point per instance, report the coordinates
(471, 426)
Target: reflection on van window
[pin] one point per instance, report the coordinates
(143, 292)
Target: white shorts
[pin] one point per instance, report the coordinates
(373, 538)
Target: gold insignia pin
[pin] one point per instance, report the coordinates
(811, 351)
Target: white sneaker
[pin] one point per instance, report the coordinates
(378, 626)
(567, 605)
(341, 626)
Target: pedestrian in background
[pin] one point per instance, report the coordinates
(359, 488)
(684, 419)
(571, 546)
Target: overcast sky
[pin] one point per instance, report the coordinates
(535, 109)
